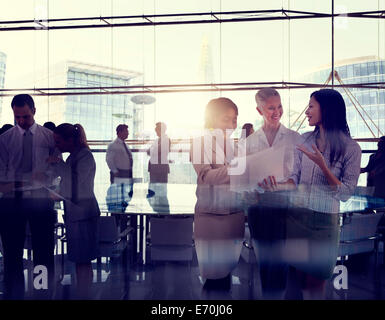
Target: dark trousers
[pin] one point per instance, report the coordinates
(14, 214)
(267, 223)
(123, 174)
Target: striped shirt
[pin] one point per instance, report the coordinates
(314, 191)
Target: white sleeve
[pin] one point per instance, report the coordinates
(110, 155)
(3, 162)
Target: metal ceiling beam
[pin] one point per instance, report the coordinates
(174, 19)
(159, 19)
(177, 88)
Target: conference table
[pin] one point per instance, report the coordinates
(179, 200)
(155, 199)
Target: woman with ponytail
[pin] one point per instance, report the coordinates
(81, 210)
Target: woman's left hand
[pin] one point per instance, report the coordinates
(316, 157)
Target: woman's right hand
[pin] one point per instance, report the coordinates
(269, 184)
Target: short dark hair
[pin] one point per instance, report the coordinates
(121, 127)
(49, 125)
(20, 100)
(162, 125)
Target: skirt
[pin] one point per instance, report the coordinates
(83, 240)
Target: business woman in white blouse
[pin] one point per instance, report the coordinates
(272, 134)
(218, 223)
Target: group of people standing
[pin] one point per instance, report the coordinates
(323, 166)
(31, 165)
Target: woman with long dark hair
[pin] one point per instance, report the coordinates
(326, 171)
(81, 210)
(331, 165)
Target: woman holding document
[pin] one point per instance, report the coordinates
(267, 218)
(218, 222)
(80, 206)
(272, 134)
(326, 170)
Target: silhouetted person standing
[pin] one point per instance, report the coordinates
(119, 159)
(49, 125)
(376, 170)
(80, 207)
(23, 173)
(119, 156)
(158, 165)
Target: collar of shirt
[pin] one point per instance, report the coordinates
(32, 129)
(118, 140)
(260, 134)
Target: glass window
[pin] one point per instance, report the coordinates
(342, 72)
(371, 68)
(382, 97)
(382, 67)
(373, 97)
(365, 98)
(350, 73)
(363, 69)
(356, 69)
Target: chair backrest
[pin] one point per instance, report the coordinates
(108, 230)
(171, 230)
(171, 238)
(358, 233)
(360, 226)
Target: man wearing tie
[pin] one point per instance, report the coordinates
(119, 158)
(23, 175)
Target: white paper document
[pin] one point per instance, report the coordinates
(258, 166)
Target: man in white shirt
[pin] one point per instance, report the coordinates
(158, 165)
(23, 174)
(119, 158)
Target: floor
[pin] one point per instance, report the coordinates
(120, 278)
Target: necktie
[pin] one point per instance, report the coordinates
(128, 154)
(26, 160)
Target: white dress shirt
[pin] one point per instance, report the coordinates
(11, 151)
(117, 157)
(159, 150)
(284, 138)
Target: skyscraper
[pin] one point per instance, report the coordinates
(368, 69)
(98, 114)
(370, 120)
